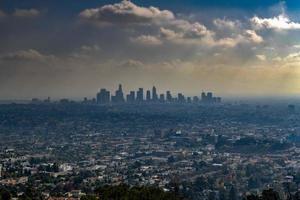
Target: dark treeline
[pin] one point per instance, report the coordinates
(125, 192)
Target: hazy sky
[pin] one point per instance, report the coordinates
(72, 48)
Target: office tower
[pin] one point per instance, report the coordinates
(214, 100)
(203, 97)
(154, 94)
(140, 95)
(130, 98)
(169, 96)
(189, 100)
(180, 98)
(148, 96)
(103, 97)
(162, 98)
(195, 99)
(119, 96)
(209, 97)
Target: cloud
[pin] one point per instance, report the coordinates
(196, 30)
(226, 24)
(163, 22)
(281, 22)
(27, 55)
(2, 14)
(228, 42)
(293, 57)
(92, 48)
(125, 12)
(297, 46)
(26, 13)
(168, 33)
(165, 26)
(131, 64)
(253, 37)
(147, 40)
(261, 57)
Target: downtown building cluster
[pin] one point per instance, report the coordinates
(104, 97)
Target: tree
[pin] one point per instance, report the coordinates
(4, 194)
(232, 193)
(270, 194)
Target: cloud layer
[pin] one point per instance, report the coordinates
(141, 45)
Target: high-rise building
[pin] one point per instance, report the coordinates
(180, 98)
(162, 98)
(140, 95)
(103, 97)
(189, 100)
(203, 97)
(195, 99)
(209, 97)
(169, 96)
(154, 94)
(130, 98)
(148, 96)
(119, 96)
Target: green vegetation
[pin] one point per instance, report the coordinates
(124, 192)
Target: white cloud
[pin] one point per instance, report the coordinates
(253, 37)
(261, 57)
(27, 55)
(131, 64)
(297, 46)
(226, 24)
(196, 30)
(148, 40)
(169, 34)
(281, 22)
(293, 57)
(126, 12)
(228, 42)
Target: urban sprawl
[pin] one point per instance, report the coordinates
(211, 150)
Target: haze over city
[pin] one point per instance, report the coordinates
(73, 48)
(149, 100)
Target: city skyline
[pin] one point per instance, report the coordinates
(105, 96)
(244, 49)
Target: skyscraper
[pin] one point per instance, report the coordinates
(140, 95)
(181, 98)
(154, 94)
(169, 96)
(203, 97)
(209, 97)
(195, 99)
(162, 98)
(119, 96)
(148, 96)
(103, 97)
(130, 98)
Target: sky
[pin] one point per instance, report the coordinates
(72, 48)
